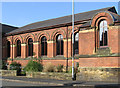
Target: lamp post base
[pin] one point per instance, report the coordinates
(74, 78)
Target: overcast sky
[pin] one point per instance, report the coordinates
(23, 13)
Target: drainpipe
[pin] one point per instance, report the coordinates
(12, 48)
(67, 52)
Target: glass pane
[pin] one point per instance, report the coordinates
(103, 33)
(60, 37)
(59, 45)
(8, 49)
(18, 48)
(30, 47)
(76, 36)
(76, 43)
(44, 46)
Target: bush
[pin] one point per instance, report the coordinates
(33, 66)
(49, 67)
(59, 68)
(16, 66)
(4, 65)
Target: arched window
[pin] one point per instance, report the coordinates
(76, 43)
(103, 33)
(43, 46)
(30, 47)
(59, 45)
(18, 48)
(8, 49)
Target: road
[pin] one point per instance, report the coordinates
(13, 84)
(6, 83)
(21, 82)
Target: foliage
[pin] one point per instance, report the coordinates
(33, 66)
(49, 67)
(59, 68)
(23, 73)
(75, 70)
(15, 66)
(4, 65)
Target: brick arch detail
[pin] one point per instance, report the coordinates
(17, 38)
(100, 16)
(57, 32)
(6, 39)
(29, 36)
(41, 34)
(70, 32)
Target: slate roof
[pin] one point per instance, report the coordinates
(7, 28)
(64, 20)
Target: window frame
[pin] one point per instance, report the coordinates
(18, 48)
(103, 32)
(59, 45)
(76, 42)
(44, 43)
(30, 47)
(8, 50)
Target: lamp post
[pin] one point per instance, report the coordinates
(73, 74)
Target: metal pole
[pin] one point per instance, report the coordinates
(73, 78)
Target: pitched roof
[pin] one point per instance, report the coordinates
(7, 28)
(61, 20)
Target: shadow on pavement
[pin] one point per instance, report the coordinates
(70, 86)
(40, 87)
(108, 86)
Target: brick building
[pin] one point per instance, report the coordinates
(96, 40)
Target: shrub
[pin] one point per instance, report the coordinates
(59, 68)
(16, 66)
(4, 65)
(49, 67)
(33, 66)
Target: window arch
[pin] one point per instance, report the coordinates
(8, 49)
(43, 46)
(76, 39)
(59, 44)
(18, 48)
(30, 47)
(103, 32)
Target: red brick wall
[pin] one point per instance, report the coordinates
(36, 49)
(113, 39)
(23, 51)
(83, 62)
(99, 62)
(86, 43)
(50, 50)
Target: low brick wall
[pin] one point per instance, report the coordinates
(50, 75)
(8, 72)
(99, 74)
(85, 74)
(83, 62)
(44, 62)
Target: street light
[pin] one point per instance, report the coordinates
(73, 74)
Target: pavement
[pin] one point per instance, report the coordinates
(62, 83)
